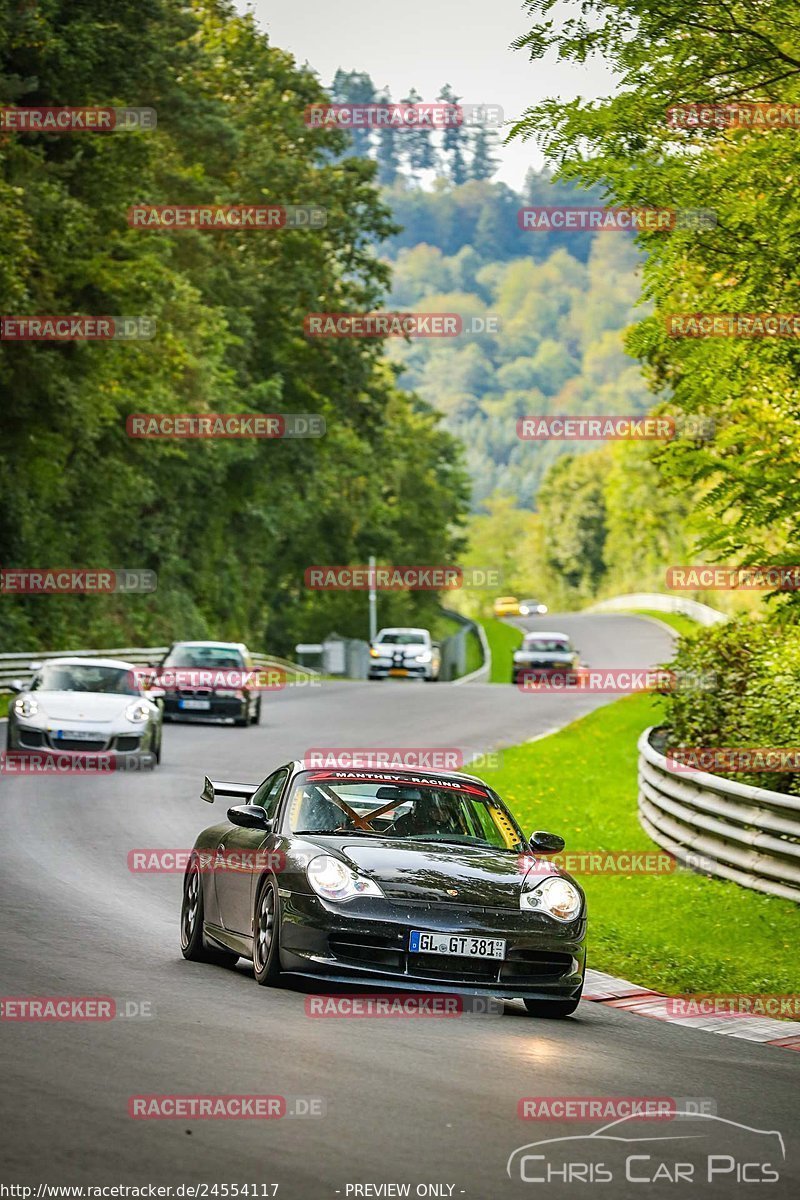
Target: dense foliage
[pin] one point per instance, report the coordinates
(744, 480)
(229, 526)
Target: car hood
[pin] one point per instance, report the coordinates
(432, 872)
(81, 706)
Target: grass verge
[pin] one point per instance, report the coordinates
(678, 932)
(503, 641)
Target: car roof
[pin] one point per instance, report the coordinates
(402, 629)
(411, 772)
(77, 661)
(219, 645)
(544, 633)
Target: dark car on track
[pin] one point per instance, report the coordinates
(405, 879)
(210, 681)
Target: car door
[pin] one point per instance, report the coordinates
(235, 887)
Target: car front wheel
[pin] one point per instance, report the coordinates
(266, 932)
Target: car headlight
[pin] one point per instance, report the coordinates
(426, 656)
(557, 897)
(374, 653)
(138, 711)
(332, 880)
(26, 706)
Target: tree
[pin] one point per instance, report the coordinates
(483, 144)
(629, 148)
(454, 141)
(355, 87)
(419, 150)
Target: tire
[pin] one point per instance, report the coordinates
(266, 933)
(551, 1008)
(256, 717)
(157, 750)
(9, 739)
(193, 944)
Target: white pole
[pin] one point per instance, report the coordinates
(373, 601)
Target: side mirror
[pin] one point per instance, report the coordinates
(546, 843)
(250, 816)
(16, 685)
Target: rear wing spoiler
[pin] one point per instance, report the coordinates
(213, 788)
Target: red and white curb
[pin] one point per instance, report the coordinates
(620, 993)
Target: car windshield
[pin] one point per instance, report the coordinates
(412, 638)
(85, 677)
(203, 656)
(323, 803)
(547, 645)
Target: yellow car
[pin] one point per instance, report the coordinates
(506, 606)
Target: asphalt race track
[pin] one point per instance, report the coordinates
(417, 1101)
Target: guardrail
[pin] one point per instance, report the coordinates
(658, 602)
(454, 650)
(734, 831)
(18, 666)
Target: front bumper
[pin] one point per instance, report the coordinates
(220, 708)
(131, 741)
(380, 668)
(366, 941)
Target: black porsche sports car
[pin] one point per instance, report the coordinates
(401, 878)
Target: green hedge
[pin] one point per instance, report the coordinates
(753, 697)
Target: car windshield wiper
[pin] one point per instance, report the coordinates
(451, 840)
(343, 832)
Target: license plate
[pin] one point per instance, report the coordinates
(398, 671)
(195, 704)
(456, 944)
(76, 735)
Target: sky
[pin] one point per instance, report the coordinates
(425, 43)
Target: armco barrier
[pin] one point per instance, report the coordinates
(454, 650)
(658, 602)
(18, 666)
(731, 830)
